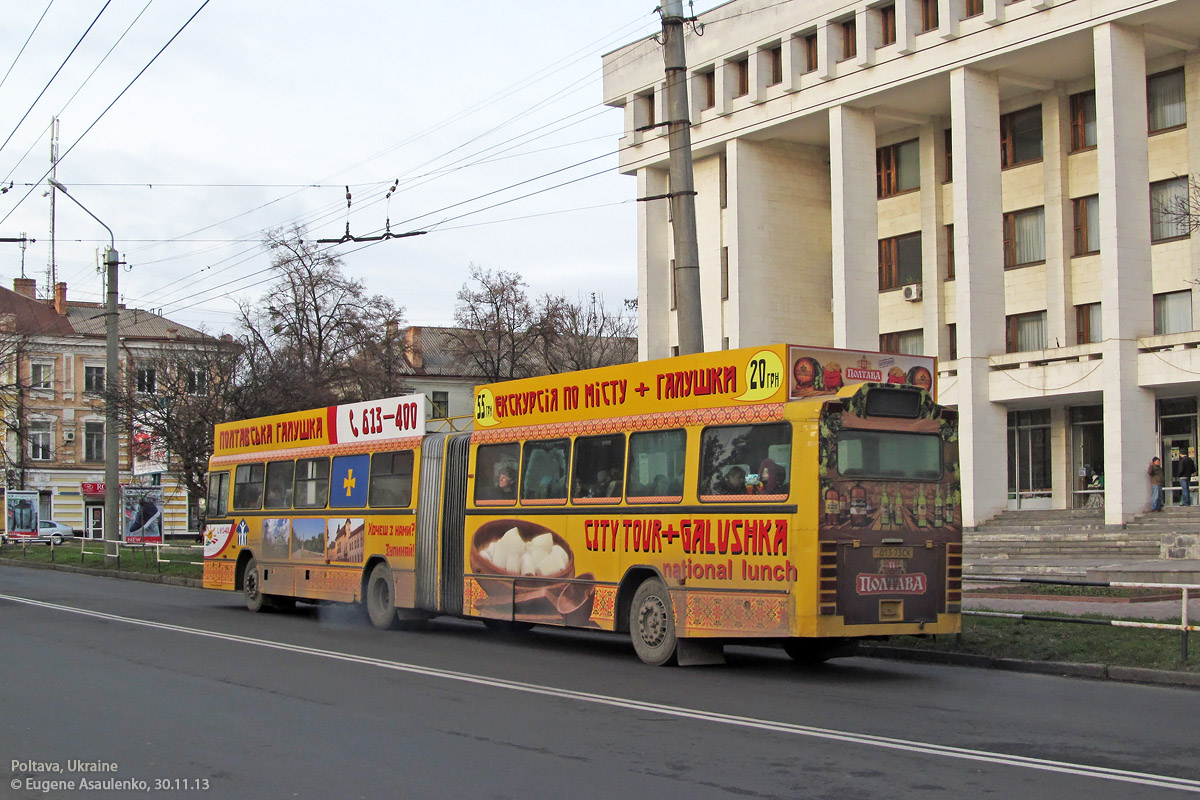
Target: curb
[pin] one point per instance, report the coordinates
(1160, 677)
(170, 580)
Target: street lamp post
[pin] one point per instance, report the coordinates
(112, 475)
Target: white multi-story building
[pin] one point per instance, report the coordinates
(981, 180)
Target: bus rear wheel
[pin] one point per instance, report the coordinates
(252, 587)
(381, 598)
(652, 623)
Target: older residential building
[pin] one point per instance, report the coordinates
(55, 362)
(986, 181)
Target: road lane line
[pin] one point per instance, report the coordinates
(925, 748)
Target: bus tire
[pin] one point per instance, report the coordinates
(818, 651)
(252, 587)
(380, 597)
(652, 623)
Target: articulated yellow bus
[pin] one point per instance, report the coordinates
(792, 496)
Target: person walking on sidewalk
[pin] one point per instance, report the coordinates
(1184, 471)
(1155, 472)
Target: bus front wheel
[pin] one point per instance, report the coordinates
(252, 587)
(652, 623)
(381, 597)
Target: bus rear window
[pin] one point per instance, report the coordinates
(248, 487)
(312, 483)
(894, 456)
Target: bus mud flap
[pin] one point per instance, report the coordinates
(699, 652)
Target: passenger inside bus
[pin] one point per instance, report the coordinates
(732, 482)
(506, 484)
(772, 477)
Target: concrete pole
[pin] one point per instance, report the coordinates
(682, 188)
(112, 453)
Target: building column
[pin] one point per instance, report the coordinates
(654, 267)
(933, 240)
(1122, 166)
(1060, 224)
(855, 228)
(979, 289)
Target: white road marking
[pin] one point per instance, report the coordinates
(1046, 765)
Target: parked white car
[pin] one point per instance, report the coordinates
(48, 531)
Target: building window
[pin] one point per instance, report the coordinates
(899, 261)
(1025, 237)
(1087, 225)
(724, 273)
(949, 252)
(197, 382)
(1021, 137)
(646, 104)
(972, 8)
(147, 381)
(723, 180)
(741, 77)
(1166, 100)
(93, 379)
(1025, 332)
(708, 86)
(674, 288)
(1088, 328)
(1172, 312)
(775, 65)
(949, 155)
(439, 405)
(810, 53)
(1169, 209)
(952, 336)
(41, 376)
(929, 15)
(93, 441)
(887, 24)
(39, 441)
(905, 343)
(1083, 121)
(849, 39)
(897, 168)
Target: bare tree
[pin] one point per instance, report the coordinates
(1182, 211)
(302, 338)
(13, 394)
(499, 329)
(586, 334)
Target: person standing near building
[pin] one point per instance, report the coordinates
(1185, 468)
(1155, 472)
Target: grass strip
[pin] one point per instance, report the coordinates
(135, 560)
(1063, 641)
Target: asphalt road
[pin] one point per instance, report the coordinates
(185, 690)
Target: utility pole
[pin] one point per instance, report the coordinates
(52, 267)
(112, 452)
(682, 189)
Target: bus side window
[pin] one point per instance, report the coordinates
(391, 479)
(279, 484)
(598, 467)
(496, 473)
(656, 465)
(742, 462)
(218, 495)
(248, 487)
(312, 483)
(544, 471)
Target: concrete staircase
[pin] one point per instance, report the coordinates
(1065, 542)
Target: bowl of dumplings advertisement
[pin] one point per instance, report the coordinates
(528, 571)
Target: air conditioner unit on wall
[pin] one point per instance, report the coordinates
(912, 292)
(68, 435)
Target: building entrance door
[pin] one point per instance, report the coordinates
(93, 519)
(1177, 424)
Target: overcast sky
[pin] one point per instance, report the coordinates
(260, 112)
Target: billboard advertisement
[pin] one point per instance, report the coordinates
(141, 518)
(21, 519)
